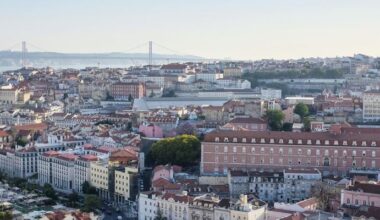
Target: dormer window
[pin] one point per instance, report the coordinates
(336, 143)
(373, 144)
(327, 142)
(318, 142)
(345, 143)
(364, 143)
(290, 141)
(354, 143)
(299, 141)
(217, 139)
(281, 141)
(308, 141)
(271, 141)
(244, 140)
(262, 141)
(234, 140)
(226, 139)
(253, 140)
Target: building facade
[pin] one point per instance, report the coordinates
(333, 152)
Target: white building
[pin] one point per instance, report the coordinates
(371, 106)
(270, 94)
(82, 171)
(209, 76)
(63, 172)
(297, 99)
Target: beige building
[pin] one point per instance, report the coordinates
(124, 181)
(371, 106)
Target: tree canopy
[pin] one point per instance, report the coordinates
(275, 118)
(91, 202)
(181, 150)
(302, 110)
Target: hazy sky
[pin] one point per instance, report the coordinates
(238, 29)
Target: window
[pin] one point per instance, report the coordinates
(318, 142)
(290, 151)
(348, 201)
(290, 141)
(354, 143)
(253, 140)
(217, 139)
(271, 150)
(252, 150)
(226, 139)
(281, 141)
(373, 153)
(271, 141)
(281, 151)
(262, 150)
(364, 143)
(262, 141)
(234, 149)
(318, 152)
(336, 143)
(234, 140)
(345, 153)
(308, 141)
(243, 149)
(308, 152)
(354, 153)
(373, 144)
(326, 152)
(299, 141)
(345, 143)
(299, 151)
(327, 142)
(244, 140)
(363, 153)
(225, 149)
(335, 152)
(373, 164)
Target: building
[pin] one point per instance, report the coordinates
(371, 106)
(63, 172)
(270, 94)
(333, 152)
(206, 206)
(122, 91)
(232, 72)
(82, 171)
(289, 185)
(246, 124)
(296, 100)
(25, 162)
(361, 194)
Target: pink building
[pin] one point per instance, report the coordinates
(333, 152)
(367, 194)
(166, 172)
(152, 131)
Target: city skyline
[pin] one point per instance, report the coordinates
(243, 30)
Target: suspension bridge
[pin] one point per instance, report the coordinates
(140, 54)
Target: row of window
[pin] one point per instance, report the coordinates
(299, 141)
(299, 151)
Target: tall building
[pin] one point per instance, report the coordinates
(371, 106)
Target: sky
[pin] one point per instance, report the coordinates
(234, 29)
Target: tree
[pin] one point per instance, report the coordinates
(306, 124)
(323, 195)
(185, 128)
(302, 110)
(160, 216)
(88, 189)
(275, 118)
(169, 93)
(49, 191)
(130, 98)
(151, 94)
(182, 150)
(73, 200)
(91, 202)
(6, 215)
(287, 126)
